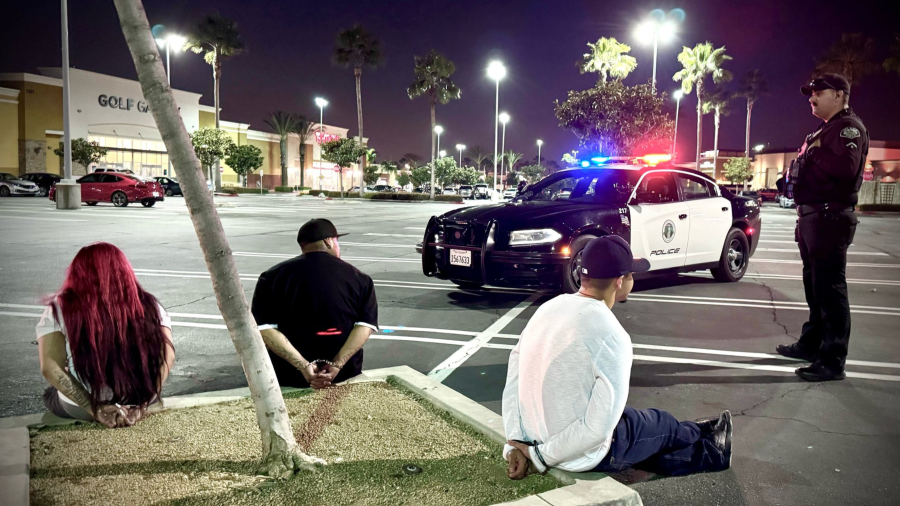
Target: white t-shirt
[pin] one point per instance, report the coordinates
(49, 325)
(567, 382)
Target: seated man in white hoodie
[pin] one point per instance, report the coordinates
(564, 401)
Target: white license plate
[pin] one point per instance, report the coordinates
(461, 257)
(156, 194)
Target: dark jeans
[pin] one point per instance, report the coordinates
(653, 440)
(823, 238)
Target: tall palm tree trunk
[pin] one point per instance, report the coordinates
(716, 143)
(217, 78)
(281, 456)
(302, 164)
(357, 72)
(700, 124)
(432, 148)
(283, 146)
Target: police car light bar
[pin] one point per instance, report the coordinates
(650, 160)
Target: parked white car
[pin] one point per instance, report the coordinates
(13, 185)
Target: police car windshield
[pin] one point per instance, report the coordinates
(599, 186)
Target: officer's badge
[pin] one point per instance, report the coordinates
(850, 133)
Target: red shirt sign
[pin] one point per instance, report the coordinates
(323, 137)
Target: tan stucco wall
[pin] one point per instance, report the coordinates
(40, 109)
(9, 137)
(53, 160)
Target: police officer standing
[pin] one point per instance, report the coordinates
(825, 180)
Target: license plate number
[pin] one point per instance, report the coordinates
(156, 194)
(463, 258)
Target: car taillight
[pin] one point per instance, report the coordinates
(141, 186)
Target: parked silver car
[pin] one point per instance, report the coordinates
(13, 185)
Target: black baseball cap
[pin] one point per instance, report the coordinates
(316, 230)
(610, 257)
(835, 82)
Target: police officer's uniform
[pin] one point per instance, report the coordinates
(825, 181)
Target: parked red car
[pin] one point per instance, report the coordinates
(118, 188)
(769, 194)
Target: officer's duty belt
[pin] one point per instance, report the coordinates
(835, 207)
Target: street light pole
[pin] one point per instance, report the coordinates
(496, 71)
(504, 118)
(655, 47)
(460, 148)
(437, 129)
(67, 134)
(540, 143)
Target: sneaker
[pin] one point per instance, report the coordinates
(721, 437)
(795, 351)
(707, 425)
(820, 372)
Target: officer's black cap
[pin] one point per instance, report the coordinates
(316, 230)
(610, 257)
(835, 82)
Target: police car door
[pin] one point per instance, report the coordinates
(659, 221)
(710, 217)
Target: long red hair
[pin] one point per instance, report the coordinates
(113, 327)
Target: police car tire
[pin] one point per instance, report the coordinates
(723, 272)
(568, 284)
(466, 285)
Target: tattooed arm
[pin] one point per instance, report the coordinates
(52, 351)
(279, 345)
(357, 338)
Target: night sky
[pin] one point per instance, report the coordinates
(288, 62)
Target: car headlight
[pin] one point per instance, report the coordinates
(537, 236)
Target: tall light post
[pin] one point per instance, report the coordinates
(653, 30)
(167, 42)
(504, 119)
(460, 148)
(438, 130)
(539, 143)
(678, 95)
(496, 71)
(321, 102)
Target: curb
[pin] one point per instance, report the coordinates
(580, 489)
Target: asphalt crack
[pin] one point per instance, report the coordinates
(814, 426)
(775, 311)
(191, 302)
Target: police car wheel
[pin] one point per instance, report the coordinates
(571, 275)
(735, 257)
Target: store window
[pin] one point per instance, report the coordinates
(143, 157)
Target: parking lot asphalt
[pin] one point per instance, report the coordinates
(700, 346)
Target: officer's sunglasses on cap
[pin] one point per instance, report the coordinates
(817, 85)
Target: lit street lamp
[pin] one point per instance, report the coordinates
(539, 143)
(442, 153)
(759, 147)
(496, 71)
(460, 148)
(653, 30)
(504, 118)
(321, 102)
(167, 42)
(678, 94)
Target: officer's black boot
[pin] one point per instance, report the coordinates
(820, 372)
(795, 351)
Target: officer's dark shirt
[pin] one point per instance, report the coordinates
(837, 152)
(315, 300)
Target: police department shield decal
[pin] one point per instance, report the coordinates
(668, 231)
(850, 133)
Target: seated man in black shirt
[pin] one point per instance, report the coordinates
(315, 312)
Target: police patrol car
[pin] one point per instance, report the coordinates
(677, 218)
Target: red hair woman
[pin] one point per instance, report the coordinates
(105, 344)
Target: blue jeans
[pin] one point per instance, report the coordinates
(653, 440)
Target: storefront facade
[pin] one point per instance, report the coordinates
(112, 112)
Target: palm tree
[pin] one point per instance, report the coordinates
(478, 155)
(433, 73)
(357, 48)
(512, 158)
(852, 57)
(752, 87)
(410, 159)
(216, 38)
(281, 454)
(305, 128)
(719, 103)
(283, 124)
(892, 63)
(607, 58)
(699, 62)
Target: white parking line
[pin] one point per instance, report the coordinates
(393, 235)
(797, 250)
(459, 357)
(360, 259)
(754, 367)
(792, 277)
(754, 303)
(374, 245)
(17, 217)
(798, 262)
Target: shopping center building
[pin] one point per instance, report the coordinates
(112, 111)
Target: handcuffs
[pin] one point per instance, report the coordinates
(537, 451)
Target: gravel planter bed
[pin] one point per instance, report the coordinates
(368, 433)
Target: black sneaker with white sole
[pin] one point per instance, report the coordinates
(722, 436)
